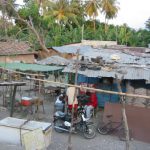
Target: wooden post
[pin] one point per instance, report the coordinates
(74, 98)
(13, 101)
(124, 117)
(66, 81)
(38, 101)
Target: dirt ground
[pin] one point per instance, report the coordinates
(59, 140)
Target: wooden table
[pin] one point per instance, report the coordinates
(14, 84)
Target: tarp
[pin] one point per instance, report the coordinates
(30, 67)
(102, 97)
(85, 79)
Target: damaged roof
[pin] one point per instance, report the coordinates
(128, 72)
(89, 52)
(14, 48)
(123, 58)
(130, 66)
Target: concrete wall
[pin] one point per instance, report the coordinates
(138, 91)
(98, 43)
(28, 58)
(130, 89)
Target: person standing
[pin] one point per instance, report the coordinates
(70, 98)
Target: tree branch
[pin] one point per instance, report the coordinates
(31, 27)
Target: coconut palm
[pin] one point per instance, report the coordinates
(91, 9)
(63, 12)
(109, 9)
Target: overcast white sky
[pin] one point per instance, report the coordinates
(132, 12)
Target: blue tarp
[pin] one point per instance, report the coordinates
(102, 97)
(113, 98)
(84, 79)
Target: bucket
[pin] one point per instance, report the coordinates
(26, 101)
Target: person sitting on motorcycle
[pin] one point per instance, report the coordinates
(89, 107)
(70, 98)
(71, 102)
(59, 104)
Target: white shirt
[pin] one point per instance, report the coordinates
(70, 93)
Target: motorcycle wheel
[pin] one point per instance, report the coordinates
(89, 132)
(58, 123)
(104, 129)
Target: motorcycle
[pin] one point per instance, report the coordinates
(62, 123)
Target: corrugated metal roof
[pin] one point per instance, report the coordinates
(73, 49)
(136, 67)
(29, 67)
(90, 52)
(124, 58)
(54, 60)
(130, 73)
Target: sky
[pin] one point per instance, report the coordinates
(132, 12)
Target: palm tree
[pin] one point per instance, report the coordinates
(91, 9)
(109, 9)
(63, 12)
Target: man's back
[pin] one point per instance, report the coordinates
(70, 93)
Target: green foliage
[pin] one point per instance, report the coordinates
(31, 9)
(148, 24)
(6, 7)
(109, 8)
(62, 21)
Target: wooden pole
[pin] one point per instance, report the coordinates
(13, 101)
(124, 116)
(97, 90)
(74, 98)
(87, 88)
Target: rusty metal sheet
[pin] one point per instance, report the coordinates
(138, 119)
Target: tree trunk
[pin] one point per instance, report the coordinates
(31, 27)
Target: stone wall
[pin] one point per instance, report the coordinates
(142, 102)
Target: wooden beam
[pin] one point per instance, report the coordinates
(87, 88)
